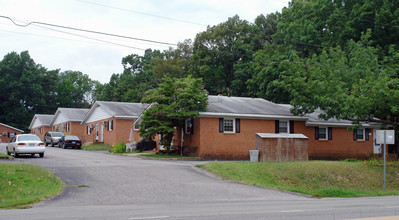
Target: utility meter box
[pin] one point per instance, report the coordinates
(389, 136)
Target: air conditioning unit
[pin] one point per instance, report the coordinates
(104, 123)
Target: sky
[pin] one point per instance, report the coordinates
(97, 55)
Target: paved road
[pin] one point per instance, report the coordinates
(121, 187)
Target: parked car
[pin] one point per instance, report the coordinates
(25, 144)
(52, 138)
(71, 141)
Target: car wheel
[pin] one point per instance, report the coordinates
(16, 154)
(63, 146)
(41, 155)
(52, 144)
(8, 152)
(32, 155)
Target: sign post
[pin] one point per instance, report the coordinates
(385, 137)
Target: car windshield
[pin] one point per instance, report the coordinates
(71, 137)
(57, 134)
(29, 138)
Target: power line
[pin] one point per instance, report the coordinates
(88, 31)
(142, 13)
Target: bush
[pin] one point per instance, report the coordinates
(119, 148)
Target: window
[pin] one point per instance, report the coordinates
(88, 129)
(136, 126)
(11, 134)
(188, 126)
(283, 127)
(360, 134)
(67, 126)
(228, 125)
(111, 125)
(323, 135)
(41, 130)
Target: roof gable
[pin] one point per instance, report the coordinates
(41, 120)
(69, 114)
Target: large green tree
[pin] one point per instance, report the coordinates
(221, 55)
(21, 89)
(174, 101)
(347, 84)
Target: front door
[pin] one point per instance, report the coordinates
(96, 132)
(377, 149)
(102, 132)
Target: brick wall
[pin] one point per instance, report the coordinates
(214, 145)
(5, 129)
(40, 131)
(120, 132)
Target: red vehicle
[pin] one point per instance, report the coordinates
(71, 141)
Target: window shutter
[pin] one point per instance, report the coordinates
(291, 127)
(316, 133)
(192, 126)
(237, 125)
(354, 134)
(329, 133)
(366, 135)
(220, 125)
(277, 125)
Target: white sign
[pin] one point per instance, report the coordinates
(390, 137)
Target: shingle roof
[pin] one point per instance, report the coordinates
(224, 106)
(45, 119)
(73, 114)
(123, 109)
(11, 127)
(257, 107)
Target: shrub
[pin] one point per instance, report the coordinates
(119, 148)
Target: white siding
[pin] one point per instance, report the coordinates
(98, 114)
(37, 123)
(60, 119)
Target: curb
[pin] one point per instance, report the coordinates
(6, 158)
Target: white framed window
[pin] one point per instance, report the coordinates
(284, 127)
(41, 130)
(88, 129)
(136, 127)
(229, 125)
(111, 125)
(188, 126)
(323, 133)
(360, 134)
(67, 126)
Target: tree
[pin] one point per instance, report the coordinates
(21, 91)
(220, 52)
(347, 84)
(74, 90)
(175, 63)
(174, 101)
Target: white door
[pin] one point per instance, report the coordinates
(96, 132)
(377, 149)
(102, 133)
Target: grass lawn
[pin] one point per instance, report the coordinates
(97, 147)
(24, 184)
(4, 155)
(317, 178)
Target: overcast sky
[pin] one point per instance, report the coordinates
(99, 56)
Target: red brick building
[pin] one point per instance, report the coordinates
(68, 121)
(7, 132)
(111, 122)
(41, 124)
(227, 130)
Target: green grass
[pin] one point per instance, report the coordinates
(97, 147)
(166, 156)
(316, 178)
(22, 185)
(4, 155)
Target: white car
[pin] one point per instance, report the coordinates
(25, 144)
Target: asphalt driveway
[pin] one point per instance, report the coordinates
(104, 186)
